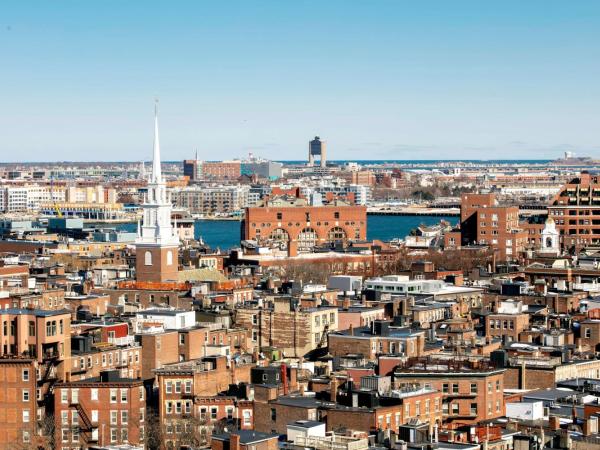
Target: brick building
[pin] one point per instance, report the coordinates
(576, 211)
(107, 410)
(484, 222)
(187, 402)
(221, 170)
(299, 229)
(381, 337)
(245, 440)
(421, 404)
(43, 334)
(174, 346)
(472, 391)
(293, 329)
(508, 322)
(20, 412)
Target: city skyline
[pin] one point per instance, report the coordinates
(400, 81)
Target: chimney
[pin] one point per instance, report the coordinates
(234, 441)
(554, 423)
(333, 386)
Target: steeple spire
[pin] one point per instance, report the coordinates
(156, 172)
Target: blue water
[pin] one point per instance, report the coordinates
(225, 234)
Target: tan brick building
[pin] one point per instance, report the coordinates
(293, 330)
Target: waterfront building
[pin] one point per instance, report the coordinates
(296, 228)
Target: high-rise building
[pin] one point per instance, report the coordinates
(317, 147)
(192, 168)
(157, 242)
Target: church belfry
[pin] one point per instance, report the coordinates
(157, 241)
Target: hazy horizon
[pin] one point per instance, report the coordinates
(385, 80)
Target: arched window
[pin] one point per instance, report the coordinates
(280, 238)
(169, 258)
(148, 258)
(307, 239)
(336, 234)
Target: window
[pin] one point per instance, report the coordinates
(588, 333)
(31, 328)
(123, 395)
(168, 387)
(113, 396)
(273, 414)
(147, 262)
(489, 387)
(124, 435)
(418, 408)
(247, 416)
(473, 409)
(454, 409)
(64, 417)
(445, 388)
(124, 417)
(169, 406)
(25, 395)
(497, 385)
(94, 415)
(142, 414)
(473, 388)
(64, 396)
(455, 388)
(279, 216)
(141, 392)
(113, 417)
(25, 375)
(25, 416)
(26, 436)
(188, 386)
(94, 394)
(113, 435)
(74, 396)
(178, 387)
(169, 258)
(64, 434)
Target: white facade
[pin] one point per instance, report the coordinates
(164, 319)
(525, 410)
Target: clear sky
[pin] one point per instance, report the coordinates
(375, 79)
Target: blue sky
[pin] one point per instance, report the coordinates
(376, 79)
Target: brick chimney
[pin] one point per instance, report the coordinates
(554, 423)
(333, 389)
(234, 441)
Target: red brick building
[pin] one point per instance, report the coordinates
(19, 412)
(99, 411)
(472, 391)
(484, 222)
(299, 229)
(222, 170)
(576, 211)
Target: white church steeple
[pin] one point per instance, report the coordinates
(157, 242)
(156, 224)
